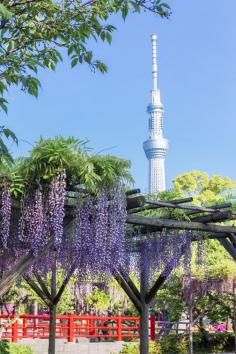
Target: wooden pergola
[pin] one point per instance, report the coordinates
(202, 219)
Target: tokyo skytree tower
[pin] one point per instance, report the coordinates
(156, 146)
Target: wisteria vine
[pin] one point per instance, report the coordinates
(5, 212)
(93, 244)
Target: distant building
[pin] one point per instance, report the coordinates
(156, 146)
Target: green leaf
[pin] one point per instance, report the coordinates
(101, 67)
(164, 4)
(3, 104)
(9, 134)
(125, 10)
(74, 62)
(108, 37)
(5, 12)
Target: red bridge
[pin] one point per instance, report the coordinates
(71, 327)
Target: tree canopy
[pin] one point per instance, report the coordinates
(33, 34)
(213, 278)
(50, 156)
(204, 189)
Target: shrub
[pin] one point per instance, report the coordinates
(12, 348)
(154, 348)
(174, 344)
(177, 344)
(216, 343)
(219, 342)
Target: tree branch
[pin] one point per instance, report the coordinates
(37, 290)
(43, 285)
(229, 247)
(120, 280)
(19, 269)
(20, 3)
(64, 284)
(130, 283)
(162, 278)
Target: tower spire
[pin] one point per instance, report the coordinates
(154, 61)
(156, 146)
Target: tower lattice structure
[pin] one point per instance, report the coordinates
(156, 146)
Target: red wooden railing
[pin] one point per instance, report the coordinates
(72, 327)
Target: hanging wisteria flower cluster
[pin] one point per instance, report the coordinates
(94, 243)
(43, 214)
(5, 212)
(160, 252)
(99, 233)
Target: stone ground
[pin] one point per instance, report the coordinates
(40, 346)
(84, 346)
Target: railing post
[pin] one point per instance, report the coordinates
(119, 328)
(25, 322)
(70, 336)
(91, 325)
(14, 329)
(152, 327)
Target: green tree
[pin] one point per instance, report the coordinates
(99, 300)
(218, 266)
(66, 302)
(204, 189)
(33, 34)
(112, 298)
(51, 155)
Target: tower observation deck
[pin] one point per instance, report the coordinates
(156, 146)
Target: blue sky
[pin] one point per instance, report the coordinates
(197, 79)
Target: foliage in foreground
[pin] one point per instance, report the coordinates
(132, 348)
(34, 33)
(12, 348)
(177, 344)
(50, 156)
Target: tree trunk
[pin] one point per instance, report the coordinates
(191, 316)
(53, 311)
(52, 330)
(234, 312)
(144, 316)
(144, 329)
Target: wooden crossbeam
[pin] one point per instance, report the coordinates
(152, 206)
(145, 231)
(135, 202)
(178, 225)
(132, 192)
(216, 217)
(214, 207)
(166, 204)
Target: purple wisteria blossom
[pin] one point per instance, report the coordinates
(5, 213)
